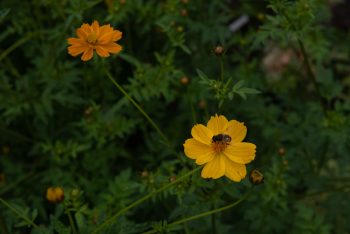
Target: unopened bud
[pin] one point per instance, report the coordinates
(144, 174)
(281, 151)
(256, 177)
(184, 80)
(219, 50)
(184, 12)
(55, 194)
(172, 178)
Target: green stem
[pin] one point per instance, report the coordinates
(71, 222)
(141, 200)
(205, 213)
(15, 45)
(222, 70)
(3, 226)
(167, 142)
(18, 213)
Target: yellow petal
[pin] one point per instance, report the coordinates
(215, 168)
(202, 134)
(88, 53)
(101, 51)
(241, 152)
(234, 171)
(217, 124)
(194, 149)
(236, 130)
(204, 158)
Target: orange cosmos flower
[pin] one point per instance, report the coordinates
(220, 146)
(93, 37)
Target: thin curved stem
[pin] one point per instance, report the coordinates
(154, 125)
(206, 213)
(141, 200)
(30, 222)
(71, 222)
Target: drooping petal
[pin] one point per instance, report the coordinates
(234, 171)
(241, 152)
(112, 48)
(88, 53)
(194, 149)
(215, 168)
(202, 134)
(76, 50)
(236, 130)
(217, 124)
(101, 51)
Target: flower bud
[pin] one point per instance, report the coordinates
(184, 12)
(55, 194)
(184, 80)
(256, 177)
(281, 151)
(219, 50)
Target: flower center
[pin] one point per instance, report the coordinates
(219, 146)
(220, 142)
(92, 38)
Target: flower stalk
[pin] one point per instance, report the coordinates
(211, 212)
(143, 199)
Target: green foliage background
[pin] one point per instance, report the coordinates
(63, 123)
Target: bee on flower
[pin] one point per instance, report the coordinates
(220, 148)
(94, 38)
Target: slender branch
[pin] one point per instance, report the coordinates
(14, 210)
(167, 142)
(71, 222)
(206, 213)
(141, 200)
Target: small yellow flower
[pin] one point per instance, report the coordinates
(93, 37)
(219, 146)
(55, 194)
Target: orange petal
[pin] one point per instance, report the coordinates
(202, 134)
(117, 35)
(86, 28)
(194, 149)
(76, 50)
(236, 130)
(101, 51)
(105, 37)
(234, 171)
(88, 53)
(241, 152)
(215, 168)
(95, 27)
(81, 33)
(76, 41)
(217, 124)
(112, 48)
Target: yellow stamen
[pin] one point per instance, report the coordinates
(92, 38)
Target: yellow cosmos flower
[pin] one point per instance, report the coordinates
(219, 146)
(93, 37)
(55, 194)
